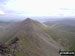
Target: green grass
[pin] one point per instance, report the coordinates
(19, 53)
(65, 38)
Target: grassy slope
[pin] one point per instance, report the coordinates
(7, 30)
(63, 34)
(34, 41)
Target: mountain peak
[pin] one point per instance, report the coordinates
(28, 19)
(34, 39)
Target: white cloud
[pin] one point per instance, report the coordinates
(41, 7)
(1, 12)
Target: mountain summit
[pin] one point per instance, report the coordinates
(34, 40)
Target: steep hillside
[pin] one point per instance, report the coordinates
(34, 40)
(63, 34)
(4, 29)
(7, 30)
(37, 39)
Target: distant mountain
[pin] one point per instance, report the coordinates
(65, 24)
(70, 22)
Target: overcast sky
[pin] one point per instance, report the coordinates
(57, 8)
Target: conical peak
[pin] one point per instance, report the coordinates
(31, 21)
(28, 19)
